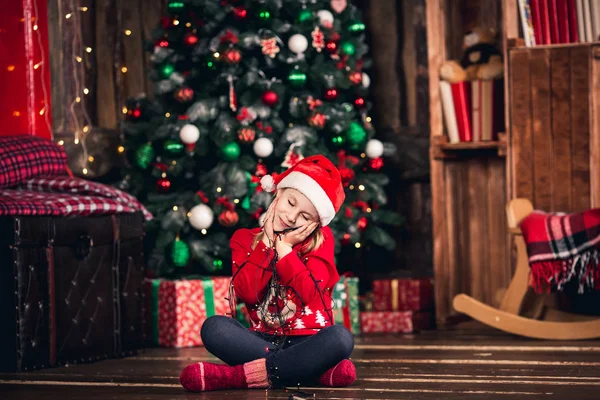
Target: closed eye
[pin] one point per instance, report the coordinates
(291, 204)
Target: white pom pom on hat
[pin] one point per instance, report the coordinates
(315, 177)
(268, 183)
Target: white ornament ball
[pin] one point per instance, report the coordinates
(263, 147)
(201, 216)
(189, 134)
(325, 18)
(298, 43)
(374, 148)
(366, 81)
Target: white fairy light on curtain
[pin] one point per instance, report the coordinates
(31, 29)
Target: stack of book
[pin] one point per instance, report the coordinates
(473, 110)
(559, 21)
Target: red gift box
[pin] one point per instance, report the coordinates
(178, 308)
(394, 321)
(25, 69)
(402, 294)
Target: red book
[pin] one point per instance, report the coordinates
(545, 18)
(562, 12)
(553, 14)
(25, 69)
(461, 94)
(536, 18)
(573, 31)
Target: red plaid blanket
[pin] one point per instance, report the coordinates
(562, 247)
(64, 196)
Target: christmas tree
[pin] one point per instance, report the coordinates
(243, 89)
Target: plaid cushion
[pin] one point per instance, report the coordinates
(23, 157)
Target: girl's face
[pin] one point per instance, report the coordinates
(293, 210)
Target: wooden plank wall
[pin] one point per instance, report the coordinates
(553, 135)
(468, 194)
(103, 28)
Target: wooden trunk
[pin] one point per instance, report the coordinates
(554, 145)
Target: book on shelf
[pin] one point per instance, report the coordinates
(545, 22)
(473, 110)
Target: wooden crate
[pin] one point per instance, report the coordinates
(554, 143)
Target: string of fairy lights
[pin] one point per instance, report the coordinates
(81, 57)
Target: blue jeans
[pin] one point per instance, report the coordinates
(299, 360)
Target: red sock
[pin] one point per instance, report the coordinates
(343, 374)
(204, 376)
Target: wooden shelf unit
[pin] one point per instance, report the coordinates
(550, 152)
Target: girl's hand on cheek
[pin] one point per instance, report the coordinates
(299, 235)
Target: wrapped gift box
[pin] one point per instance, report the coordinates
(402, 294)
(346, 304)
(178, 308)
(394, 321)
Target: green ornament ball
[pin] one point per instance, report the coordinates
(305, 15)
(230, 152)
(348, 48)
(180, 253)
(297, 79)
(173, 147)
(356, 134)
(145, 155)
(217, 264)
(338, 140)
(356, 27)
(264, 14)
(167, 70)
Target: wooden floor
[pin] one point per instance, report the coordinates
(456, 364)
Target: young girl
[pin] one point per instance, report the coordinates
(285, 273)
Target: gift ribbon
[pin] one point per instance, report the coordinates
(394, 284)
(209, 296)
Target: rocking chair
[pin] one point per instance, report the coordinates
(522, 311)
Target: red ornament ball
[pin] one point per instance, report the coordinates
(261, 170)
(376, 163)
(269, 98)
(349, 212)
(346, 239)
(190, 39)
(362, 223)
(228, 218)
(331, 47)
(184, 94)
(355, 77)
(359, 102)
(331, 94)
(347, 175)
(232, 56)
(240, 13)
(163, 185)
(317, 120)
(246, 135)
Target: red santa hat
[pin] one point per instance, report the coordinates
(315, 177)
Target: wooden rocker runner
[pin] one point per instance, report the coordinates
(522, 311)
